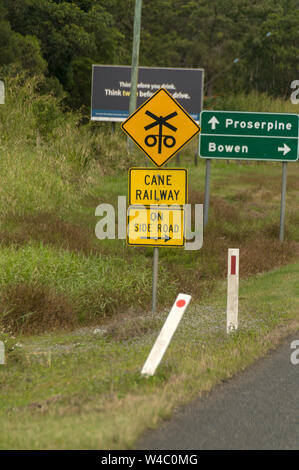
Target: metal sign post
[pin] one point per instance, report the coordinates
(155, 278)
(207, 192)
(283, 201)
(196, 153)
(135, 59)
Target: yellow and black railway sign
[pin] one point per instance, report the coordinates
(156, 226)
(160, 127)
(157, 186)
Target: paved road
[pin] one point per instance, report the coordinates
(257, 409)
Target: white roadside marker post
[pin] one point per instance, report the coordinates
(2, 92)
(2, 353)
(167, 332)
(232, 289)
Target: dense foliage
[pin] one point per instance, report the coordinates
(243, 45)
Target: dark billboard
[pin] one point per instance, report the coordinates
(111, 89)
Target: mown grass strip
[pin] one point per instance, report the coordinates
(93, 395)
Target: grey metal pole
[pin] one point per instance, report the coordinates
(207, 192)
(196, 153)
(135, 60)
(283, 201)
(155, 278)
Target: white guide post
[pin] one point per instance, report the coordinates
(167, 332)
(2, 353)
(2, 92)
(232, 289)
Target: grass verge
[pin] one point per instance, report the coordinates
(84, 391)
(69, 388)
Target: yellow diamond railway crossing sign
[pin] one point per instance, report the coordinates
(160, 127)
(157, 186)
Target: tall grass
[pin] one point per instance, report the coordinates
(50, 163)
(258, 102)
(48, 160)
(95, 286)
(56, 167)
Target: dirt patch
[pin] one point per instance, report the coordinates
(36, 309)
(220, 208)
(136, 325)
(53, 230)
(195, 197)
(272, 183)
(261, 255)
(229, 227)
(245, 195)
(33, 309)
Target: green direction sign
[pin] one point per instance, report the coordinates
(249, 136)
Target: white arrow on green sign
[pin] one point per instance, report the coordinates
(249, 136)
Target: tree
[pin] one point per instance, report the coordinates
(69, 33)
(243, 45)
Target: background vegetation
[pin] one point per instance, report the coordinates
(55, 170)
(75, 311)
(243, 45)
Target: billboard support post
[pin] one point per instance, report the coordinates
(135, 61)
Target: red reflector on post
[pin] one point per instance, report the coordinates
(233, 265)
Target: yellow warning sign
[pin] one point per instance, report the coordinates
(155, 186)
(155, 226)
(160, 127)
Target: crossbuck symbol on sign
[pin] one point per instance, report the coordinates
(154, 139)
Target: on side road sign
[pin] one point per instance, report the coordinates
(160, 127)
(156, 226)
(153, 186)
